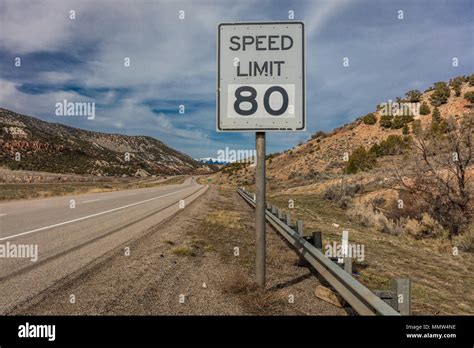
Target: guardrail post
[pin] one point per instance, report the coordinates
(317, 240)
(280, 214)
(274, 209)
(348, 264)
(288, 219)
(269, 206)
(346, 259)
(402, 289)
(299, 227)
(254, 197)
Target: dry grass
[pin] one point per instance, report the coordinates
(237, 282)
(225, 229)
(441, 281)
(367, 216)
(263, 302)
(183, 251)
(465, 242)
(427, 227)
(226, 218)
(253, 299)
(170, 242)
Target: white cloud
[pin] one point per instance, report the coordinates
(174, 60)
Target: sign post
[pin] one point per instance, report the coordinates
(260, 88)
(260, 265)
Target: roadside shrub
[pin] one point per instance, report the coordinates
(352, 190)
(367, 216)
(360, 159)
(427, 227)
(236, 282)
(425, 109)
(378, 201)
(312, 174)
(345, 202)
(342, 195)
(333, 193)
(369, 119)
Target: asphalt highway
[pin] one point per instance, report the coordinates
(69, 232)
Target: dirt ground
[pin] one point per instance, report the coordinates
(188, 266)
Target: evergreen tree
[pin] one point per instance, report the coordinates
(360, 159)
(369, 119)
(435, 121)
(441, 94)
(405, 129)
(424, 109)
(416, 127)
(413, 96)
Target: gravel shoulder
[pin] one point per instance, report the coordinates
(189, 265)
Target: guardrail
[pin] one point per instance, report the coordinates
(359, 297)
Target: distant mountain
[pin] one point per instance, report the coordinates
(57, 148)
(210, 160)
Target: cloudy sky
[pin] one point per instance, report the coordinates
(173, 61)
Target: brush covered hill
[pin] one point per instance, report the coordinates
(326, 154)
(414, 214)
(56, 148)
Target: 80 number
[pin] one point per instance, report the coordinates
(251, 98)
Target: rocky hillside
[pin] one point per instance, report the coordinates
(56, 148)
(327, 153)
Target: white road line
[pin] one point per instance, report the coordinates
(90, 201)
(3, 215)
(93, 215)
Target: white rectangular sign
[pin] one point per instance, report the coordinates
(261, 76)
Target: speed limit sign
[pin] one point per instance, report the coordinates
(261, 76)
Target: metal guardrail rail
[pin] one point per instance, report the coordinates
(359, 297)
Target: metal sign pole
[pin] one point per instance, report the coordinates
(260, 265)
